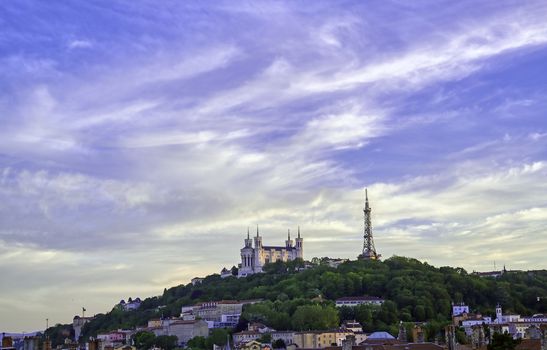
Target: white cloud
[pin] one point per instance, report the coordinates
(80, 44)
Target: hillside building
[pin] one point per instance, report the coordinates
(254, 258)
(355, 301)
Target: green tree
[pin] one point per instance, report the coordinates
(266, 338)
(197, 343)
(166, 342)
(279, 344)
(144, 340)
(219, 336)
(503, 342)
(308, 317)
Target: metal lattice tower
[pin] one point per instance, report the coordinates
(369, 251)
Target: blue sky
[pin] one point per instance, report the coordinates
(139, 140)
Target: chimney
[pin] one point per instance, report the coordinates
(348, 343)
(450, 334)
(402, 336)
(543, 329)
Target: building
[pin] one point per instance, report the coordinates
(32, 343)
(255, 345)
(335, 262)
(387, 344)
(183, 330)
(77, 323)
(352, 325)
(491, 274)
(154, 323)
(197, 280)
(217, 314)
(213, 310)
(246, 336)
(355, 301)
(501, 318)
(254, 258)
(7, 342)
(459, 309)
(186, 330)
(114, 338)
(320, 339)
(225, 273)
(286, 336)
(131, 304)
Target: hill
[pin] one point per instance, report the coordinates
(414, 291)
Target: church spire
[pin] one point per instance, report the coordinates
(248, 233)
(298, 231)
(257, 231)
(289, 234)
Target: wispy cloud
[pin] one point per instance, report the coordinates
(161, 133)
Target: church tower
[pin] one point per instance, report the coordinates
(258, 239)
(288, 242)
(299, 246)
(247, 257)
(258, 252)
(369, 251)
(248, 240)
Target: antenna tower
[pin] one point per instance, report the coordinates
(369, 251)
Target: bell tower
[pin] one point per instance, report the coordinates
(299, 246)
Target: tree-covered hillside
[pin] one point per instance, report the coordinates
(414, 291)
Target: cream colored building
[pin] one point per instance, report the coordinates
(320, 339)
(254, 259)
(213, 311)
(186, 330)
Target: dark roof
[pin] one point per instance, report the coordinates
(269, 247)
(185, 322)
(365, 297)
(337, 330)
(529, 344)
(392, 346)
(248, 333)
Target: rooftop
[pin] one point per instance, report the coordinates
(363, 298)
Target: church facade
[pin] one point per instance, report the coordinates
(254, 258)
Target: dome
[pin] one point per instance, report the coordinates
(380, 335)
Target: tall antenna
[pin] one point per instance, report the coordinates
(369, 251)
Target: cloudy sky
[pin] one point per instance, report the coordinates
(140, 139)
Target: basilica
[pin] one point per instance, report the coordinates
(253, 259)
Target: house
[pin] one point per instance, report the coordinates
(246, 336)
(131, 304)
(254, 345)
(77, 324)
(186, 330)
(196, 280)
(259, 327)
(115, 338)
(154, 323)
(352, 325)
(459, 309)
(335, 262)
(225, 273)
(286, 336)
(354, 301)
(183, 330)
(320, 339)
(218, 314)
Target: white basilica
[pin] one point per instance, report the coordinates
(253, 259)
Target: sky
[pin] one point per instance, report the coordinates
(140, 139)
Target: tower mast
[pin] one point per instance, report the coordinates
(369, 251)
